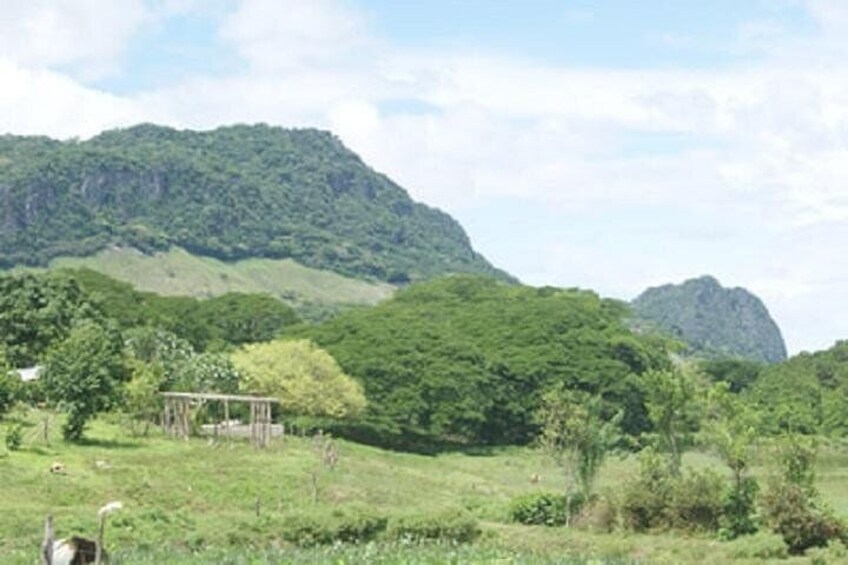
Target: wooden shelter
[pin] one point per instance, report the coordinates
(176, 419)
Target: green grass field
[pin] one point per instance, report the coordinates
(177, 272)
(196, 501)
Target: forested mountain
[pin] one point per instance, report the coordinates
(231, 193)
(712, 320)
(465, 358)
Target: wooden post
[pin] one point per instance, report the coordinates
(227, 416)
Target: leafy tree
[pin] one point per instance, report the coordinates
(9, 384)
(37, 312)
(467, 359)
(141, 400)
(669, 397)
(739, 374)
(82, 373)
(576, 436)
(733, 429)
(305, 378)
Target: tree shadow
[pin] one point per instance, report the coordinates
(107, 443)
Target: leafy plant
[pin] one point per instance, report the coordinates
(544, 508)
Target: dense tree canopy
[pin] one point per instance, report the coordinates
(806, 394)
(37, 312)
(466, 358)
(233, 318)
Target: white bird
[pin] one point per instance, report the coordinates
(76, 550)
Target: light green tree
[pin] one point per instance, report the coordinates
(305, 378)
(669, 398)
(577, 437)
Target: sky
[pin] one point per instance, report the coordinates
(609, 144)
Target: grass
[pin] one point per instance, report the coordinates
(196, 502)
(178, 272)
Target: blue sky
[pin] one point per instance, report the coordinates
(610, 145)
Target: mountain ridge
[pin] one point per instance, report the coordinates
(230, 193)
(714, 321)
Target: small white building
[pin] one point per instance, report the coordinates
(29, 373)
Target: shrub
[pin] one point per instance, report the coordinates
(796, 516)
(544, 508)
(454, 526)
(739, 513)
(14, 435)
(696, 501)
(764, 545)
(350, 525)
(645, 499)
(9, 387)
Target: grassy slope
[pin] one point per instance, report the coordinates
(179, 273)
(181, 497)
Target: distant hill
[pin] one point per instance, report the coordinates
(233, 193)
(714, 321)
(315, 294)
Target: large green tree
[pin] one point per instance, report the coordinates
(466, 359)
(37, 312)
(82, 373)
(305, 378)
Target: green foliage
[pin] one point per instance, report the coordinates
(305, 378)
(466, 359)
(14, 436)
(182, 368)
(545, 508)
(236, 192)
(36, 313)
(807, 394)
(9, 384)
(455, 526)
(658, 499)
(792, 505)
(669, 397)
(714, 321)
(576, 435)
(697, 501)
(739, 374)
(232, 318)
(732, 428)
(645, 498)
(343, 525)
(141, 399)
(81, 374)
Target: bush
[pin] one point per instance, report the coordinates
(796, 516)
(764, 545)
(452, 526)
(544, 508)
(657, 499)
(696, 501)
(645, 499)
(14, 437)
(739, 513)
(350, 525)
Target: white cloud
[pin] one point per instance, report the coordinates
(86, 34)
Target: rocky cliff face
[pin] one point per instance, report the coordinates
(713, 320)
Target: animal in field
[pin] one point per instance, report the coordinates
(76, 550)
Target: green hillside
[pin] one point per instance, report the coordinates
(312, 292)
(233, 193)
(712, 320)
